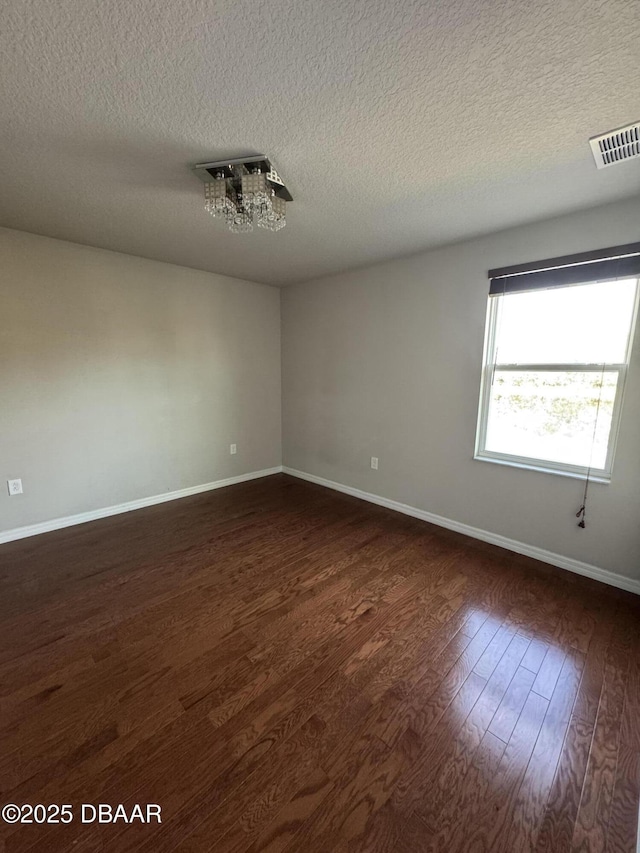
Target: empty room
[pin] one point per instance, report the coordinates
(319, 426)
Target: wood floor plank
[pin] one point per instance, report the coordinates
(592, 820)
(506, 715)
(622, 832)
(279, 834)
(589, 695)
(466, 801)
(536, 784)
(630, 725)
(549, 671)
(493, 820)
(422, 712)
(556, 829)
(462, 751)
(362, 787)
(535, 655)
(389, 831)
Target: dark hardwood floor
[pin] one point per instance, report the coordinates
(283, 668)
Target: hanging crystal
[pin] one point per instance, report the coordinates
(274, 217)
(218, 199)
(240, 221)
(256, 192)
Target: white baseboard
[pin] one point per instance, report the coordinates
(92, 515)
(558, 560)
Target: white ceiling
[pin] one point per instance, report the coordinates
(397, 124)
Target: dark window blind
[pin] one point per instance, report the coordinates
(598, 265)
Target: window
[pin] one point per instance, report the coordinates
(556, 359)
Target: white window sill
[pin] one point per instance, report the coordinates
(531, 466)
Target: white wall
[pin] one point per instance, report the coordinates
(123, 378)
(386, 361)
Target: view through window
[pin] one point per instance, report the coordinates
(555, 367)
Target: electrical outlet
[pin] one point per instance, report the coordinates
(233, 449)
(15, 487)
(374, 463)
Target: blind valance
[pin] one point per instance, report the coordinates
(597, 265)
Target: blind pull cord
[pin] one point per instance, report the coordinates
(581, 514)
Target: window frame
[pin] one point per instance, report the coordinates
(489, 368)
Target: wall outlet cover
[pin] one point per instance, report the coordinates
(233, 449)
(15, 487)
(374, 463)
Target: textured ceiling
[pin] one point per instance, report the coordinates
(397, 125)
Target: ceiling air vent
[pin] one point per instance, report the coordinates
(616, 146)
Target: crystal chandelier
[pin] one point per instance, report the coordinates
(245, 192)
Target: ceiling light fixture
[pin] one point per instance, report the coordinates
(245, 191)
